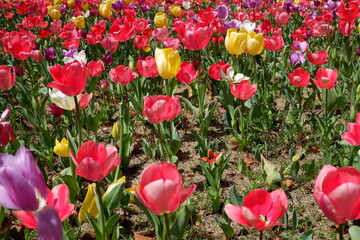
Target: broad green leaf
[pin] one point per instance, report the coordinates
(354, 232)
(272, 174)
(227, 229)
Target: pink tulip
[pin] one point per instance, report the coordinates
(122, 74)
(326, 78)
(58, 198)
(6, 130)
(110, 44)
(161, 189)
(160, 34)
(7, 77)
(193, 36)
(161, 108)
(282, 18)
(352, 136)
(187, 73)
(94, 162)
(299, 78)
(261, 209)
(147, 67)
(337, 192)
(318, 58)
(243, 90)
(94, 69)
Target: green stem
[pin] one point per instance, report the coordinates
(100, 208)
(120, 141)
(167, 226)
(261, 235)
(341, 231)
(78, 121)
(326, 104)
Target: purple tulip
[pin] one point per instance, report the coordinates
(332, 6)
(222, 11)
(69, 53)
(231, 24)
(118, 5)
(48, 224)
(252, 4)
(108, 59)
(50, 54)
(144, 8)
(296, 58)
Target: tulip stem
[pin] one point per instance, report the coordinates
(167, 226)
(78, 120)
(261, 235)
(341, 231)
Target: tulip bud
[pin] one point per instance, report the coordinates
(161, 20)
(219, 159)
(296, 158)
(115, 132)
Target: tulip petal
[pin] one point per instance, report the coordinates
(48, 224)
(258, 201)
(26, 218)
(162, 170)
(235, 213)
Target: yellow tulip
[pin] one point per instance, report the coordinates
(85, 7)
(128, 1)
(62, 148)
(168, 62)
(235, 42)
(161, 20)
(56, 2)
(70, 3)
(89, 204)
(115, 132)
(358, 28)
(131, 190)
(54, 12)
(105, 10)
(79, 22)
(255, 43)
(175, 10)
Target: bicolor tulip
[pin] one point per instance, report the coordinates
(6, 130)
(69, 79)
(22, 187)
(168, 62)
(318, 58)
(352, 136)
(187, 74)
(95, 161)
(161, 189)
(337, 192)
(261, 209)
(326, 78)
(122, 74)
(243, 90)
(299, 78)
(161, 20)
(7, 77)
(147, 67)
(67, 102)
(215, 70)
(161, 108)
(236, 42)
(255, 43)
(62, 148)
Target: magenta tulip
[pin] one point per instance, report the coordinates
(352, 136)
(161, 189)
(161, 108)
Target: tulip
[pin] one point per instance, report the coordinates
(296, 58)
(95, 161)
(299, 78)
(6, 130)
(22, 187)
(110, 44)
(187, 73)
(243, 90)
(318, 58)
(168, 62)
(161, 20)
(67, 102)
(235, 42)
(161, 108)
(79, 22)
(261, 209)
(122, 74)
(193, 37)
(274, 43)
(215, 70)
(147, 67)
(7, 78)
(173, 43)
(94, 69)
(69, 79)
(337, 192)
(160, 34)
(56, 111)
(326, 78)
(105, 9)
(141, 42)
(54, 12)
(62, 148)
(57, 198)
(50, 54)
(255, 43)
(223, 11)
(352, 136)
(282, 18)
(175, 10)
(36, 55)
(161, 189)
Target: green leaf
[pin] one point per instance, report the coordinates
(113, 198)
(175, 146)
(272, 174)
(95, 224)
(111, 223)
(227, 229)
(308, 235)
(235, 197)
(354, 232)
(295, 220)
(182, 218)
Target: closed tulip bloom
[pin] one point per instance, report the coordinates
(6, 130)
(122, 74)
(147, 67)
(274, 43)
(187, 73)
(168, 62)
(282, 18)
(161, 189)
(299, 78)
(175, 10)
(318, 58)
(67, 102)
(193, 36)
(337, 192)
(160, 34)
(161, 108)
(94, 69)
(109, 43)
(161, 20)
(261, 209)
(89, 204)
(105, 9)
(326, 78)
(95, 161)
(69, 79)
(243, 90)
(62, 148)
(255, 43)
(235, 42)
(352, 136)
(215, 70)
(7, 78)
(54, 12)
(79, 22)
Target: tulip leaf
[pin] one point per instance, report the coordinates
(113, 198)
(95, 224)
(175, 146)
(235, 197)
(111, 223)
(182, 218)
(331, 97)
(354, 232)
(308, 235)
(270, 170)
(227, 229)
(295, 220)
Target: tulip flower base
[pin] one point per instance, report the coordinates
(196, 119)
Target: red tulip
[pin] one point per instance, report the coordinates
(122, 74)
(273, 43)
(7, 78)
(147, 67)
(110, 44)
(337, 192)
(6, 130)
(352, 136)
(243, 90)
(141, 42)
(161, 108)
(187, 73)
(214, 70)
(19, 44)
(299, 78)
(193, 37)
(326, 78)
(161, 189)
(94, 69)
(282, 18)
(94, 162)
(261, 209)
(69, 79)
(318, 58)
(58, 198)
